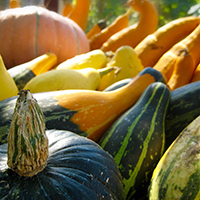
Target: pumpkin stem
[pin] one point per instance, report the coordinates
(27, 140)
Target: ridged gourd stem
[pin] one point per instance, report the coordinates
(27, 140)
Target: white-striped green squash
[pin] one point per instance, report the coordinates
(136, 139)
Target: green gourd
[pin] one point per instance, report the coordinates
(136, 139)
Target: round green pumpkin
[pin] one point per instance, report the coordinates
(42, 164)
(77, 168)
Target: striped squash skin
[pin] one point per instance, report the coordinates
(136, 139)
(27, 140)
(26, 71)
(183, 109)
(21, 75)
(177, 175)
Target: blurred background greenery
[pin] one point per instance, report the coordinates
(110, 9)
(167, 9)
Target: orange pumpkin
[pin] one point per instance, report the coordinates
(31, 31)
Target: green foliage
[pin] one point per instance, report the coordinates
(173, 9)
(107, 10)
(195, 10)
(167, 10)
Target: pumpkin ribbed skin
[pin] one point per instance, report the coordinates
(31, 31)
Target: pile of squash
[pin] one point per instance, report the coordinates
(108, 114)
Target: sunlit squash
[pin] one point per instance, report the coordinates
(86, 112)
(40, 164)
(31, 31)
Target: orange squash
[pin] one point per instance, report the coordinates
(156, 44)
(67, 9)
(96, 111)
(31, 31)
(135, 33)
(118, 24)
(166, 63)
(196, 75)
(80, 13)
(14, 4)
(101, 24)
(183, 70)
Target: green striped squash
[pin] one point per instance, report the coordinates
(177, 175)
(136, 139)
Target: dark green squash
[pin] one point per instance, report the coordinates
(136, 139)
(76, 168)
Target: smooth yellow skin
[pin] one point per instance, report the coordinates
(95, 59)
(8, 87)
(63, 79)
(42, 63)
(128, 64)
